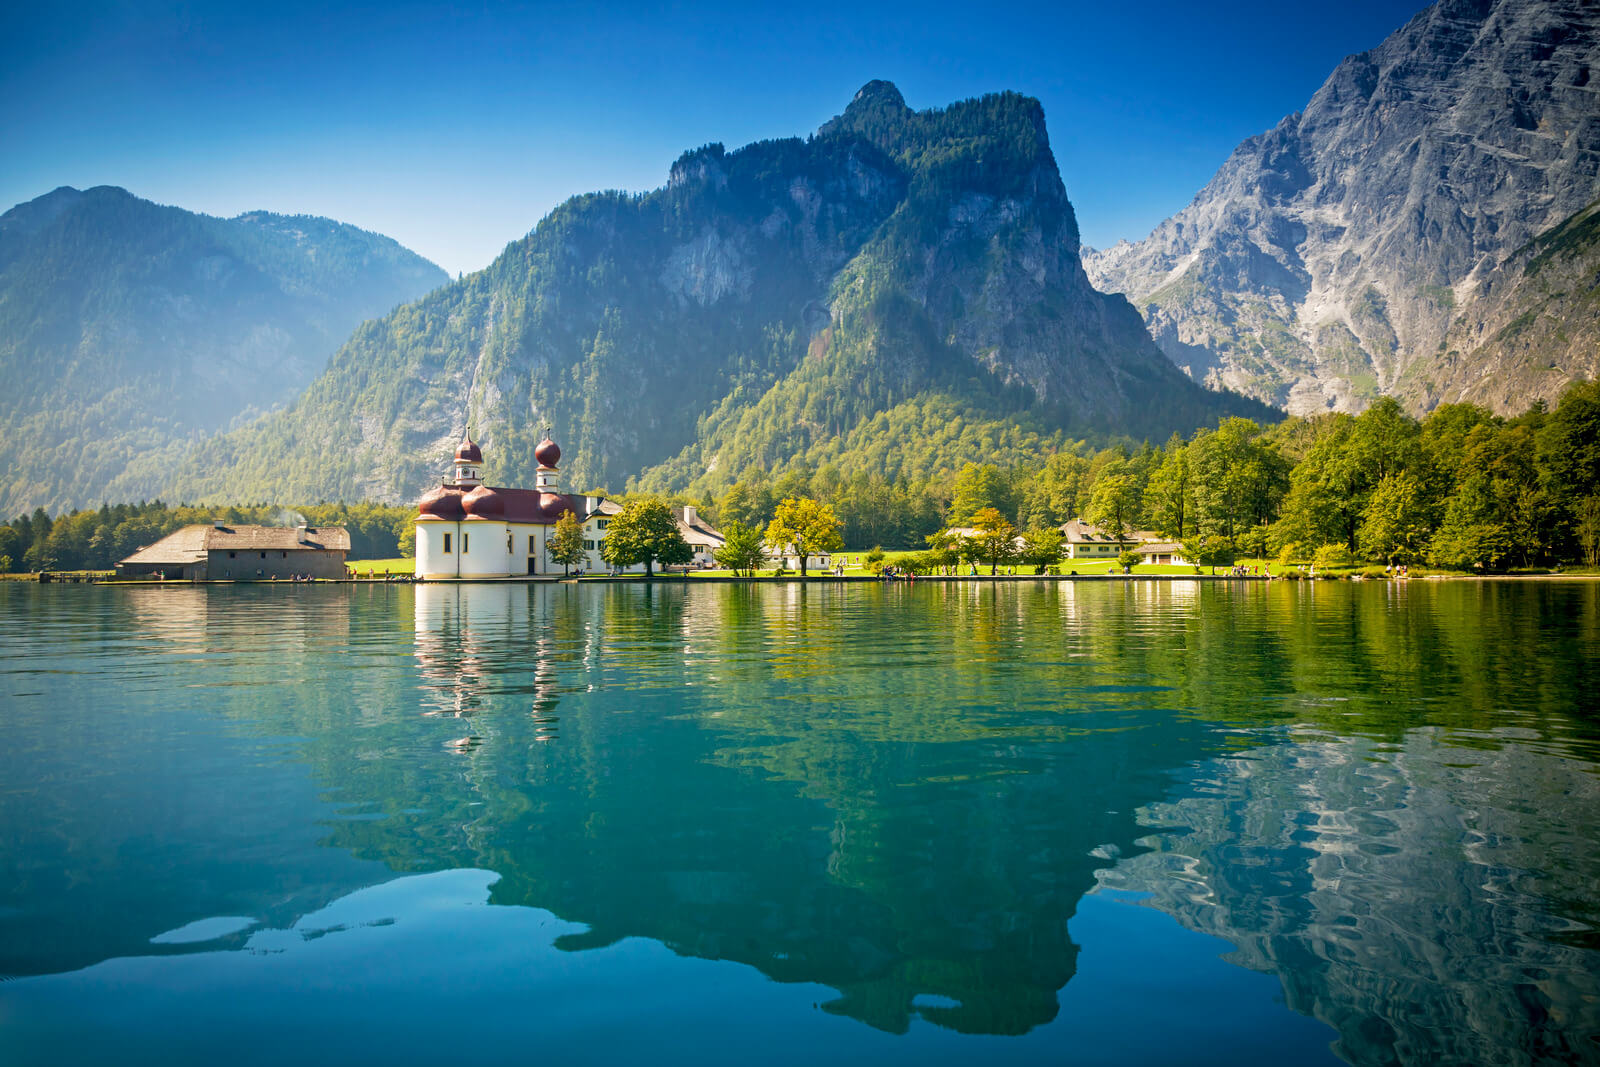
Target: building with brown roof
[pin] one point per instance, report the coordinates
(1085, 540)
(243, 553)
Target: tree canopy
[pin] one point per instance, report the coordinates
(805, 525)
(645, 532)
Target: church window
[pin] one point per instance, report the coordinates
(447, 544)
(508, 544)
(466, 543)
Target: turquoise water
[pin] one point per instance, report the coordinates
(1133, 822)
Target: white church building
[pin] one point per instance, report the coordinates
(466, 529)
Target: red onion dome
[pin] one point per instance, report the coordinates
(548, 453)
(551, 505)
(484, 503)
(442, 503)
(468, 452)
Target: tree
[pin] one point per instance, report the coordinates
(644, 532)
(1128, 559)
(996, 540)
(980, 486)
(1587, 529)
(1167, 494)
(566, 545)
(1056, 490)
(1041, 547)
(1236, 481)
(1398, 520)
(11, 547)
(750, 505)
(806, 525)
(1112, 504)
(742, 550)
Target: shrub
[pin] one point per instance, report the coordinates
(1128, 559)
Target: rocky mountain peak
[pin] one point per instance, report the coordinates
(860, 297)
(1333, 258)
(877, 95)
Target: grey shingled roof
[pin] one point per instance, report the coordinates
(190, 544)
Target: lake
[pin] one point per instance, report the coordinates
(1113, 821)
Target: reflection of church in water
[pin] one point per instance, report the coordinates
(474, 643)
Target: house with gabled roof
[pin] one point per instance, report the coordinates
(240, 553)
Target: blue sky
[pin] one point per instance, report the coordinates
(454, 128)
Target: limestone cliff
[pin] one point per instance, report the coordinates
(1342, 254)
(897, 291)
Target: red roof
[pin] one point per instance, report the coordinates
(468, 452)
(493, 502)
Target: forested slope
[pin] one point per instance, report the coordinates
(128, 330)
(894, 292)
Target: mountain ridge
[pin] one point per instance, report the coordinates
(1330, 258)
(129, 330)
(760, 307)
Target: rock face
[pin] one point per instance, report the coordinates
(129, 329)
(873, 294)
(1345, 253)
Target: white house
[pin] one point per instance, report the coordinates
(1084, 540)
(704, 539)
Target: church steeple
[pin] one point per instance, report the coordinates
(468, 459)
(548, 454)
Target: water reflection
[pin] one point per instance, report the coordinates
(900, 794)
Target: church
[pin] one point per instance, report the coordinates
(466, 529)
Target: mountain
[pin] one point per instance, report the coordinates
(1373, 243)
(128, 330)
(901, 290)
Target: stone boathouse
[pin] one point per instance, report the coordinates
(220, 552)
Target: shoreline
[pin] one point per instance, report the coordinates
(810, 579)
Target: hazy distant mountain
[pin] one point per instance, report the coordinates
(128, 330)
(900, 291)
(1376, 242)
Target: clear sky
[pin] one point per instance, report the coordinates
(454, 128)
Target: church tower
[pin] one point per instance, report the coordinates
(468, 459)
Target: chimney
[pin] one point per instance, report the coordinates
(688, 514)
(216, 524)
(300, 534)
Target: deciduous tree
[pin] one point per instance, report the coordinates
(807, 526)
(645, 532)
(742, 550)
(996, 540)
(566, 543)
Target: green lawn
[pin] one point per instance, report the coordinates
(380, 567)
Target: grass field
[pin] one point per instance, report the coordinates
(381, 567)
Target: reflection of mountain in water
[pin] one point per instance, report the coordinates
(902, 793)
(777, 780)
(1429, 901)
